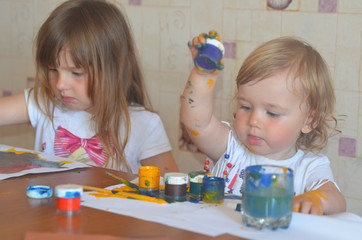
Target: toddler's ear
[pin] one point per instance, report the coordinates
(309, 124)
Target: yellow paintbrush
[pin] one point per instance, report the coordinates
(122, 194)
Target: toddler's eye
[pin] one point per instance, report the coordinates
(272, 114)
(245, 107)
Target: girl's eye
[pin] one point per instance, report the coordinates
(52, 69)
(78, 73)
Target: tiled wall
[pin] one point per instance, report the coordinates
(162, 29)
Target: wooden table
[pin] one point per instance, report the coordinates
(20, 214)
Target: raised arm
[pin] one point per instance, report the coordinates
(205, 130)
(13, 110)
(325, 200)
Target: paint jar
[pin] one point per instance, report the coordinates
(195, 192)
(213, 190)
(149, 178)
(68, 198)
(209, 56)
(176, 186)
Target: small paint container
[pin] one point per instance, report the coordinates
(213, 190)
(39, 191)
(68, 197)
(149, 178)
(176, 186)
(195, 192)
(209, 56)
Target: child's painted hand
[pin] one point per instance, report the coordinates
(309, 202)
(199, 42)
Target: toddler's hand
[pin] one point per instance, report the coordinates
(199, 42)
(309, 202)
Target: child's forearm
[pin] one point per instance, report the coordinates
(197, 101)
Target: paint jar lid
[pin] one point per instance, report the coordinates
(39, 191)
(68, 191)
(197, 176)
(176, 178)
(149, 171)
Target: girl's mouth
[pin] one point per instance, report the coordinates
(67, 99)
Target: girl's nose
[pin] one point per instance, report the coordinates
(61, 81)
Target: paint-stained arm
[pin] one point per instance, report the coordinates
(13, 110)
(205, 130)
(325, 200)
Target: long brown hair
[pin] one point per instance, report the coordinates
(99, 39)
(307, 65)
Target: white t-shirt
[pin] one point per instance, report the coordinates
(310, 170)
(147, 136)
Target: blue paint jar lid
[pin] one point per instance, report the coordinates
(68, 191)
(39, 191)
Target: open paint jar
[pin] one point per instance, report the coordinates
(176, 186)
(213, 189)
(149, 178)
(68, 197)
(195, 192)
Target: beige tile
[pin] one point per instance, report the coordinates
(245, 4)
(359, 138)
(169, 113)
(354, 205)
(347, 68)
(352, 174)
(178, 3)
(174, 36)
(309, 6)
(151, 39)
(156, 3)
(22, 29)
(237, 25)
(135, 18)
(349, 30)
(228, 78)
(243, 50)
(152, 85)
(42, 9)
(347, 104)
(201, 10)
(350, 6)
(331, 151)
(262, 20)
(317, 29)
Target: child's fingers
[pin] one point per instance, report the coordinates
(315, 210)
(296, 206)
(193, 51)
(214, 35)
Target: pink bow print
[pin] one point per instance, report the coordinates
(65, 143)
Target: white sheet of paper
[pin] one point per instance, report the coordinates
(214, 220)
(65, 167)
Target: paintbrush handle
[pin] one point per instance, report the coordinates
(124, 194)
(124, 181)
